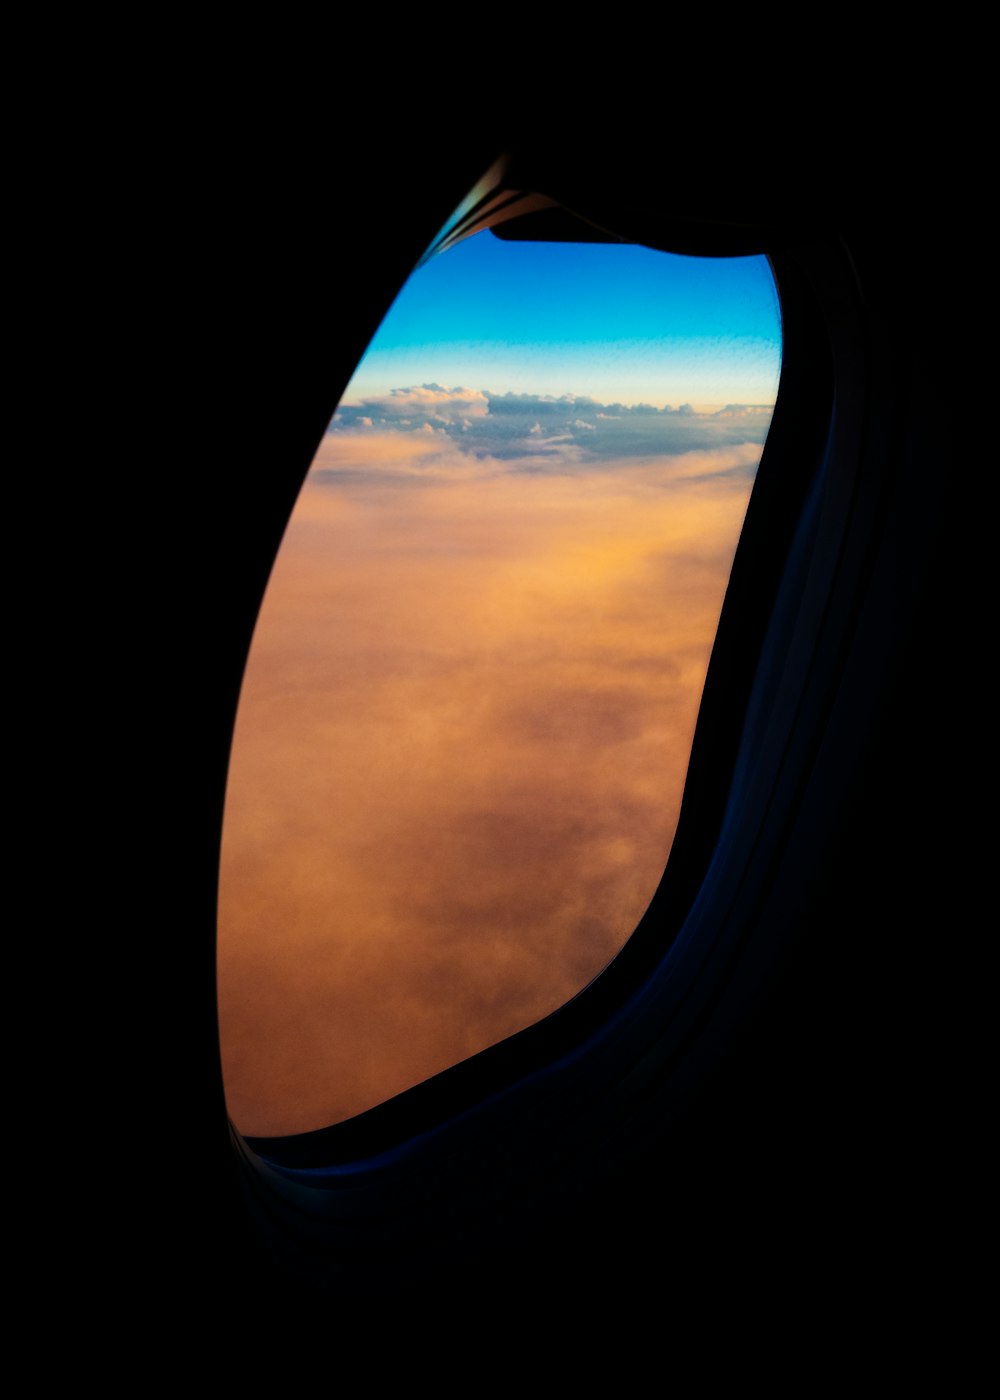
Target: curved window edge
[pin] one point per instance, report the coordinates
(560, 1087)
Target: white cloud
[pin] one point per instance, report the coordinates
(437, 400)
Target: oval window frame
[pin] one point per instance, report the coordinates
(328, 1195)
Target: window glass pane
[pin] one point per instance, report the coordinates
(470, 700)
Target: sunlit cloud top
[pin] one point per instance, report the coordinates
(613, 322)
(467, 714)
(535, 432)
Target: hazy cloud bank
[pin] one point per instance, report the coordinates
(463, 734)
(504, 426)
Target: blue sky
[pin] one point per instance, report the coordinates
(604, 321)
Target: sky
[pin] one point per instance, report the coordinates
(469, 703)
(613, 322)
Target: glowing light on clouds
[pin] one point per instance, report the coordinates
(469, 704)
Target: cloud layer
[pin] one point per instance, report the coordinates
(463, 734)
(505, 426)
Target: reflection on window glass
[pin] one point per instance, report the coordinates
(472, 691)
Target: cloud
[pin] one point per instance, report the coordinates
(461, 746)
(448, 405)
(760, 413)
(499, 425)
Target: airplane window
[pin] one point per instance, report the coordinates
(469, 705)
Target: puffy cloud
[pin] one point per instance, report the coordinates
(500, 425)
(416, 403)
(504, 405)
(755, 411)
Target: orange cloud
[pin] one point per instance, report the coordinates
(459, 756)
